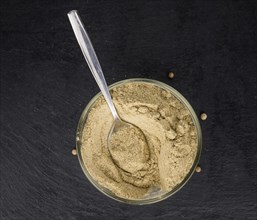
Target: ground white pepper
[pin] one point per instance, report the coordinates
(170, 133)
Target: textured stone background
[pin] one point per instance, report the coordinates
(45, 84)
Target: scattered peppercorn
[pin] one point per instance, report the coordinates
(198, 169)
(74, 152)
(203, 116)
(171, 75)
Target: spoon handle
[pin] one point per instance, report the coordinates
(91, 58)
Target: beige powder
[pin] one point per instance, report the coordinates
(170, 134)
(128, 148)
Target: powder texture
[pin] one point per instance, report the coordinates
(168, 128)
(128, 147)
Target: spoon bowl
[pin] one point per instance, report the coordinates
(128, 146)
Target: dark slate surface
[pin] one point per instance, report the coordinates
(45, 84)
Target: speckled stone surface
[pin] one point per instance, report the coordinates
(45, 84)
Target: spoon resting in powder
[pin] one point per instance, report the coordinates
(126, 142)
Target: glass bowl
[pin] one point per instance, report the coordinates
(106, 191)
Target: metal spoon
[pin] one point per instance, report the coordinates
(126, 142)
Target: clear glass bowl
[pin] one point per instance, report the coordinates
(106, 191)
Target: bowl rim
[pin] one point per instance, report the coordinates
(108, 192)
